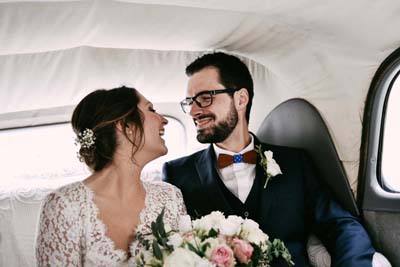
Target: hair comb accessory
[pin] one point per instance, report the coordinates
(85, 138)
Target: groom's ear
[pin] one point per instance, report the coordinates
(241, 99)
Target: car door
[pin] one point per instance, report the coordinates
(379, 179)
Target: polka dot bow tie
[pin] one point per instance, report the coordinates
(225, 160)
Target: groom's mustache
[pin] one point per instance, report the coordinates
(203, 116)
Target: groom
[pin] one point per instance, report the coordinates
(291, 205)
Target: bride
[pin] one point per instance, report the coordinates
(95, 222)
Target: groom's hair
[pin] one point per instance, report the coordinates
(233, 73)
(100, 111)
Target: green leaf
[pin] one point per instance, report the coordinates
(157, 251)
(278, 248)
(192, 248)
(212, 233)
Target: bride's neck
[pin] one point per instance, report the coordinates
(119, 179)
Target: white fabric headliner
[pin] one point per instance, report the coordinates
(52, 53)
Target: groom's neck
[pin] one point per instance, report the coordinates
(236, 141)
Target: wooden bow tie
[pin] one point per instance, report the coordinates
(225, 160)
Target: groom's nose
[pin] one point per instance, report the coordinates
(195, 110)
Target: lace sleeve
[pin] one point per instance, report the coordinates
(181, 204)
(58, 234)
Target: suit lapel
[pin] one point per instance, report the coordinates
(206, 170)
(267, 195)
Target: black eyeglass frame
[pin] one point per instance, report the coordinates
(211, 93)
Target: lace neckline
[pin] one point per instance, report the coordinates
(94, 210)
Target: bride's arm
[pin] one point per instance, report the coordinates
(58, 234)
(181, 203)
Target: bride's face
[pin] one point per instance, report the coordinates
(153, 128)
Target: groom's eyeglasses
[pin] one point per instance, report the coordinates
(203, 99)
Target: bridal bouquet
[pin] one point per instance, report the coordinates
(211, 241)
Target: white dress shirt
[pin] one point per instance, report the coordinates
(238, 177)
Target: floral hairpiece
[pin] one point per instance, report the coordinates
(86, 138)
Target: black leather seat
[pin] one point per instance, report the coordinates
(297, 123)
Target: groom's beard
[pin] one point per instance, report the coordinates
(220, 131)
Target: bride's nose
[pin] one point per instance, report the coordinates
(164, 121)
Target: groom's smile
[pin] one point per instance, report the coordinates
(203, 121)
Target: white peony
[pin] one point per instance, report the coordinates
(204, 263)
(257, 237)
(273, 168)
(185, 224)
(209, 221)
(230, 226)
(252, 233)
(249, 224)
(185, 258)
(175, 240)
(203, 224)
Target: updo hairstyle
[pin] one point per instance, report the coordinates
(100, 111)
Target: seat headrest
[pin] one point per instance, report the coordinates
(297, 123)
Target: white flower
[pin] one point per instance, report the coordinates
(204, 263)
(86, 138)
(175, 240)
(252, 233)
(204, 224)
(249, 224)
(273, 168)
(230, 226)
(209, 221)
(257, 237)
(185, 224)
(185, 258)
(215, 217)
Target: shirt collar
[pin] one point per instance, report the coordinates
(219, 150)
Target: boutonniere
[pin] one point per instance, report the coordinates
(268, 163)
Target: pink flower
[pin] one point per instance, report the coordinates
(188, 236)
(222, 256)
(243, 250)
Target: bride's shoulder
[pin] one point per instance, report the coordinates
(65, 200)
(69, 192)
(68, 189)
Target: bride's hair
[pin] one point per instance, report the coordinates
(99, 112)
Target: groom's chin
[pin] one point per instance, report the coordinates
(204, 138)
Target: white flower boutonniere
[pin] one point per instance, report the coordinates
(268, 163)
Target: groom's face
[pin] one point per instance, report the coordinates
(216, 122)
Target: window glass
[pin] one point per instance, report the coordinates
(46, 157)
(391, 140)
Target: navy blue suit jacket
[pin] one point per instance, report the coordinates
(293, 205)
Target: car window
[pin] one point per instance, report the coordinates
(46, 157)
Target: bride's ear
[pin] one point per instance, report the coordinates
(119, 126)
(124, 128)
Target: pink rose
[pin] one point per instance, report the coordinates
(222, 256)
(243, 250)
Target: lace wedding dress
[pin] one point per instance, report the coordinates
(71, 234)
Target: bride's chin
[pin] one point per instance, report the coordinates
(163, 151)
